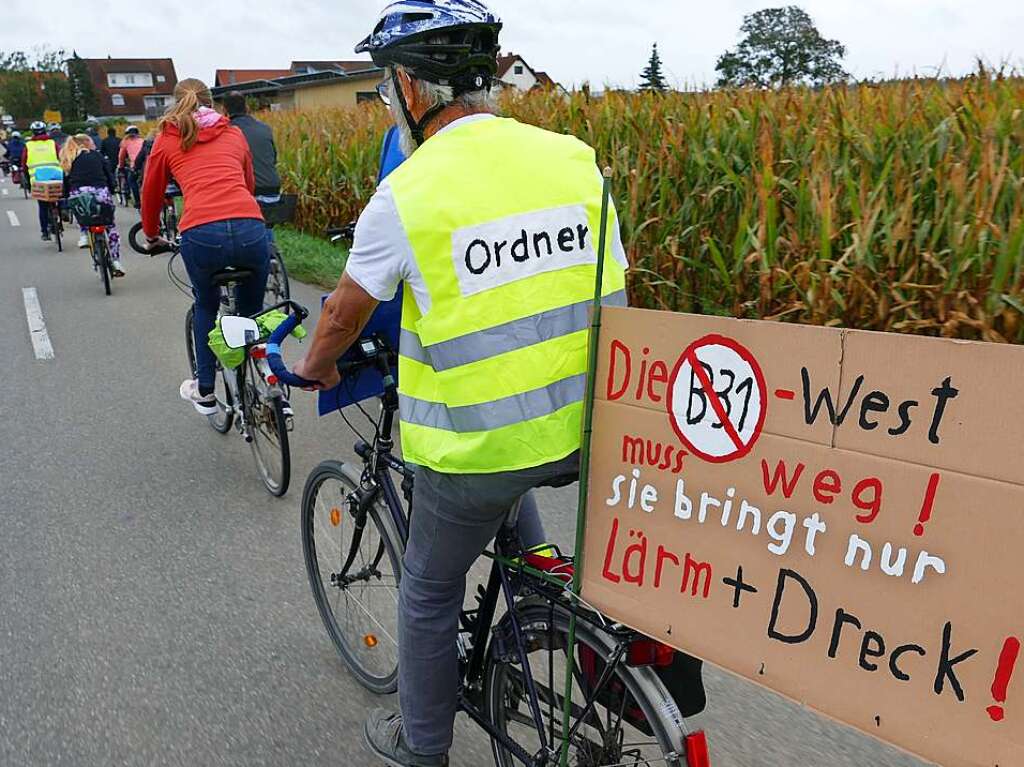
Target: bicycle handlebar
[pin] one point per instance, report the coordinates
(284, 375)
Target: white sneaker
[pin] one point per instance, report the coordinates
(83, 241)
(189, 392)
(117, 269)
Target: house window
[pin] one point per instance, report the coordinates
(117, 99)
(130, 80)
(161, 79)
(519, 69)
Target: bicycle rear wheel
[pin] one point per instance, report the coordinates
(634, 721)
(58, 226)
(354, 573)
(268, 428)
(101, 258)
(225, 417)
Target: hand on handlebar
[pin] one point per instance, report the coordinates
(160, 243)
(327, 378)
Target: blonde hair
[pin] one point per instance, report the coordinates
(73, 147)
(189, 95)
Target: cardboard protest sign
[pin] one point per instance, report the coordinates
(836, 515)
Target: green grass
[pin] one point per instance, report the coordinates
(311, 259)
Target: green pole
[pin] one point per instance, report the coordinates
(588, 420)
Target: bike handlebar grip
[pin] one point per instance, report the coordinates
(284, 375)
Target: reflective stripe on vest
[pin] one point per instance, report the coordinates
(517, 334)
(41, 154)
(492, 377)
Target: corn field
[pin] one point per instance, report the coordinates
(893, 207)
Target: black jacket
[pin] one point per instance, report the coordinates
(89, 169)
(264, 153)
(110, 147)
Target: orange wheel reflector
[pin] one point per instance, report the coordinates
(370, 641)
(335, 517)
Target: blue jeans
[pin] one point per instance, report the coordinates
(211, 248)
(44, 216)
(456, 516)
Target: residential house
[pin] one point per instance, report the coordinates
(132, 89)
(305, 85)
(514, 72)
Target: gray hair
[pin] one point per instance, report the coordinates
(444, 95)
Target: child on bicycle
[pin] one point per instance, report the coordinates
(86, 172)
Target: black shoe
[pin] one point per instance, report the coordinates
(46, 237)
(384, 736)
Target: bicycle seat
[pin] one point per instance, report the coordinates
(230, 276)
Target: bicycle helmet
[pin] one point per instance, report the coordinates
(54, 127)
(16, 134)
(447, 42)
(131, 129)
(38, 128)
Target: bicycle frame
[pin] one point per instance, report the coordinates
(377, 482)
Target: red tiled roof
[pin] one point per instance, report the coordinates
(134, 98)
(225, 77)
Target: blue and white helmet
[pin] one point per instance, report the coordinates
(450, 42)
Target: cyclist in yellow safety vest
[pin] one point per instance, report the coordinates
(492, 225)
(41, 152)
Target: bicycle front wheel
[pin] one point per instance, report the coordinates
(223, 420)
(353, 559)
(633, 720)
(268, 430)
(278, 288)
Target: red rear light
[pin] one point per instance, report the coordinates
(648, 652)
(697, 754)
(258, 352)
(97, 229)
(272, 379)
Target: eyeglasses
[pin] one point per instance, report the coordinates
(384, 92)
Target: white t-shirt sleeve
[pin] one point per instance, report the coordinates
(381, 255)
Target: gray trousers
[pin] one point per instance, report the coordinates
(455, 517)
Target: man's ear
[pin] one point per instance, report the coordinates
(409, 92)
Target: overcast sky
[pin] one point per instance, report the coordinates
(603, 41)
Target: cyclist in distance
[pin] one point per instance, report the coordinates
(493, 225)
(15, 147)
(221, 225)
(93, 131)
(261, 143)
(131, 145)
(86, 172)
(110, 147)
(57, 134)
(40, 152)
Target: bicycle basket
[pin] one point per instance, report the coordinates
(90, 211)
(281, 212)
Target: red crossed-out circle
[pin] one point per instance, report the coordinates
(714, 401)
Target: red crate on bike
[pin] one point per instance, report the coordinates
(47, 191)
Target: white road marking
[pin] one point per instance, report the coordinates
(36, 325)
(6, 191)
(14, 218)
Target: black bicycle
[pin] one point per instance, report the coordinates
(249, 397)
(355, 524)
(123, 188)
(168, 223)
(56, 224)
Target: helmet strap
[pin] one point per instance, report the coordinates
(416, 127)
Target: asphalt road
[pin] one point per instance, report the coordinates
(154, 608)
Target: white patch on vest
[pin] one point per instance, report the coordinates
(514, 248)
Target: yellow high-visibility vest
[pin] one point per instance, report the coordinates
(41, 154)
(503, 221)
